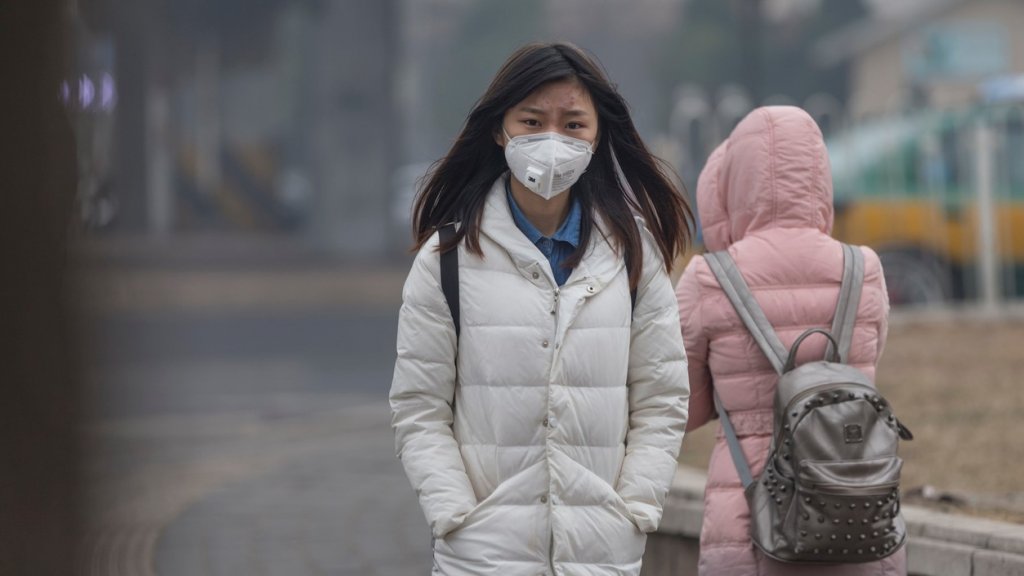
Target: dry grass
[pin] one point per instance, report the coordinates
(958, 386)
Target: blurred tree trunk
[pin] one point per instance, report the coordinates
(751, 23)
(39, 509)
(355, 138)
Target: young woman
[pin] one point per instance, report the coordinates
(765, 195)
(543, 438)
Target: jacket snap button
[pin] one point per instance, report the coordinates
(590, 289)
(536, 275)
(544, 499)
(544, 344)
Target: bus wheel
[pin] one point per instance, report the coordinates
(914, 279)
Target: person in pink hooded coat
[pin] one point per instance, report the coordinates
(765, 195)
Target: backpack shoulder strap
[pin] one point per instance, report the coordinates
(848, 302)
(735, 450)
(450, 275)
(736, 289)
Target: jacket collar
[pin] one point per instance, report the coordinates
(599, 265)
(568, 232)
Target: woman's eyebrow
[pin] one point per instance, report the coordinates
(574, 112)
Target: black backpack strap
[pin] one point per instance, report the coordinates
(849, 300)
(450, 275)
(736, 289)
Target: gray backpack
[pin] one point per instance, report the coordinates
(829, 492)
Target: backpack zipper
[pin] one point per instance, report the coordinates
(853, 489)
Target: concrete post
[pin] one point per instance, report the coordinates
(159, 189)
(355, 135)
(987, 255)
(208, 125)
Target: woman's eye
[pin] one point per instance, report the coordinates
(531, 122)
(574, 125)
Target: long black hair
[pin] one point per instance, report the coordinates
(457, 185)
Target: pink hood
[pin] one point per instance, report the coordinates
(772, 172)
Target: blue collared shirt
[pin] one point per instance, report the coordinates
(558, 247)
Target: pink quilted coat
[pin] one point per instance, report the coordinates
(766, 195)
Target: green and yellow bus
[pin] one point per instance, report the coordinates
(907, 187)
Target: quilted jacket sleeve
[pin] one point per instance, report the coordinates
(688, 295)
(422, 393)
(872, 262)
(658, 394)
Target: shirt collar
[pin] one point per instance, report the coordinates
(568, 232)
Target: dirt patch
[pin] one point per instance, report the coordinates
(959, 386)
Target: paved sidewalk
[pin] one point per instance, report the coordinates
(238, 421)
(324, 495)
(335, 502)
(229, 494)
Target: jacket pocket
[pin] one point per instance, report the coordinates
(504, 526)
(584, 487)
(593, 524)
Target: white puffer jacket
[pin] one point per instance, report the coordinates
(567, 416)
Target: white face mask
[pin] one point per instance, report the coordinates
(548, 163)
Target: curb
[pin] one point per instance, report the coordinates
(939, 544)
(204, 291)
